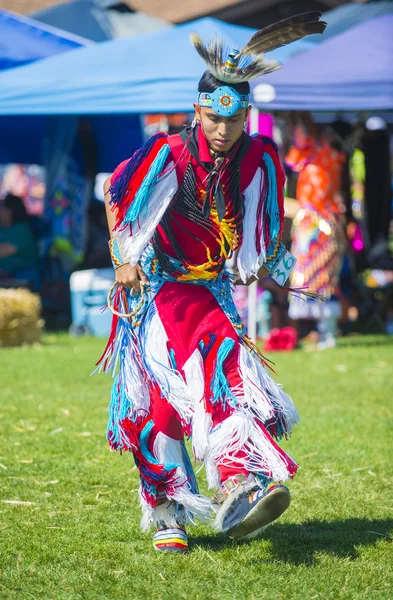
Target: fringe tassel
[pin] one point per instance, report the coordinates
(278, 175)
(167, 515)
(219, 387)
(119, 409)
(168, 450)
(264, 213)
(154, 473)
(130, 393)
(253, 350)
(265, 399)
(185, 504)
(260, 225)
(248, 260)
(271, 216)
(157, 365)
(119, 186)
(143, 228)
(201, 428)
(170, 463)
(241, 442)
(202, 420)
(141, 199)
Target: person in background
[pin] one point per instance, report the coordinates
(18, 249)
(318, 238)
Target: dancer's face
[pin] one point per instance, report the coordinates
(221, 132)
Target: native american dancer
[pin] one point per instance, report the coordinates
(177, 210)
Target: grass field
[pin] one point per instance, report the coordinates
(69, 522)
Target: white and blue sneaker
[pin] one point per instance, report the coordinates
(248, 509)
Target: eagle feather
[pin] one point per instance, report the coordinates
(250, 61)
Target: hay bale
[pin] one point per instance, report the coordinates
(20, 317)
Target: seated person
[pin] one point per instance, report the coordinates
(18, 249)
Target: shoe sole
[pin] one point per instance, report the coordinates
(266, 511)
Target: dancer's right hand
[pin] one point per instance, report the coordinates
(131, 277)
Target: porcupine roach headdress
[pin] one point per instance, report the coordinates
(236, 66)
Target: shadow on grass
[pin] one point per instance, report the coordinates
(298, 543)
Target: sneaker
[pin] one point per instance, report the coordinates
(171, 540)
(249, 509)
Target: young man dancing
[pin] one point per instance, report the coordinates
(177, 210)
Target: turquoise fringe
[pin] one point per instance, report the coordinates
(173, 359)
(119, 409)
(143, 439)
(220, 387)
(271, 197)
(144, 192)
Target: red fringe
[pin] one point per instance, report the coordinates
(136, 180)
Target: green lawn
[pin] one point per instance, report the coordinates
(76, 533)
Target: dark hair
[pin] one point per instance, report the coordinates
(208, 83)
(15, 204)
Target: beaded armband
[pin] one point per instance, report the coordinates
(279, 262)
(116, 253)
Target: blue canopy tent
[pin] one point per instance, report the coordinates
(352, 71)
(23, 40)
(157, 72)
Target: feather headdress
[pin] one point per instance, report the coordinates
(236, 66)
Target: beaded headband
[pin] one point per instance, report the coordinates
(225, 101)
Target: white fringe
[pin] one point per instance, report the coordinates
(133, 381)
(262, 395)
(202, 420)
(240, 432)
(143, 229)
(157, 361)
(165, 515)
(195, 375)
(258, 397)
(248, 260)
(167, 450)
(195, 506)
(201, 428)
